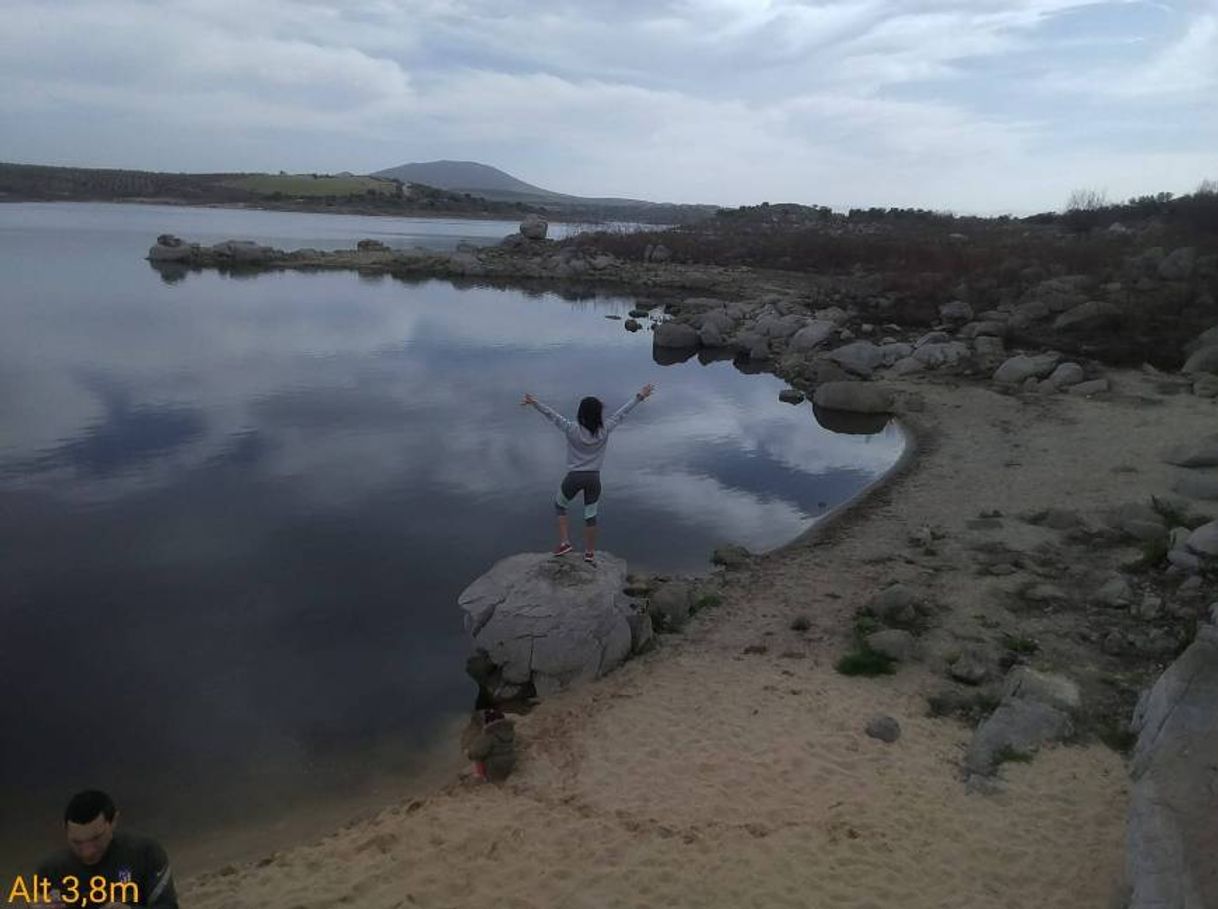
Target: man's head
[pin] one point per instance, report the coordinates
(90, 818)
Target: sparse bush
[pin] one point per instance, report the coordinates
(801, 623)
(865, 661)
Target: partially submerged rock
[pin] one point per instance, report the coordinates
(548, 623)
(854, 397)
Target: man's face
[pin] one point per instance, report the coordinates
(90, 841)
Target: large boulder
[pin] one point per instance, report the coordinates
(1173, 813)
(243, 252)
(1204, 540)
(1201, 453)
(1088, 316)
(549, 622)
(670, 606)
(1021, 367)
(1179, 265)
(1057, 691)
(534, 228)
(1204, 360)
(1015, 731)
(676, 336)
(811, 336)
(855, 397)
(860, 357)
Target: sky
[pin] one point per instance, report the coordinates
(971, 106)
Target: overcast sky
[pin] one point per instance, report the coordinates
(965, 105)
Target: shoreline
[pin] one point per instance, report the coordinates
(630, 791)
(427, 215)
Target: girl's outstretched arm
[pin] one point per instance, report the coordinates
(548, 412)
(643, 394)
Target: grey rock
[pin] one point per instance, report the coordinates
(884, 728)
(1043, 688)
(549, 621)
(1205, 385)
(710, 337)
(1086, 316)
(933, 337)
(534, 228)
(732, 556)
(1179, 265)
(1203, 453)
(956, 311)
(1197, 486)
(855, 397)
(1018, 727)
(1020, 367)
(861, 357)
(989, 347)
(632, 325)
(893, 643)
(165, 252)
(972, 667)
(1147, 609)
(1205, 339)
(988, 329)
(1044, 593)
(676, 336)
(670, 606)
(895, 605)
(1114, 593)
(936, 355)
(1093, 387)
(811, 336)
(1066, 374)
(906, 367)
(891, 353)
(1184, 560)
(1204, 360)
(791, 396)
(1173, 816)
(1204, 540)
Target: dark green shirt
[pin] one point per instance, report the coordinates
(130, 858)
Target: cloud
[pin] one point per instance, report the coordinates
(842, 102)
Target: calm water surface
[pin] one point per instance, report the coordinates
(236, 513)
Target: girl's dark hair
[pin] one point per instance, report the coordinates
(86, 806)
(590, 414)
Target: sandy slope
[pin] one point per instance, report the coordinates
(703, 776)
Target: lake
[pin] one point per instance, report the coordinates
(236, 512)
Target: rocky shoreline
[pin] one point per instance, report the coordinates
(1035, 618)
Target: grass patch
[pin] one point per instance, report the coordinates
(865, 661)
(1154, 554)
(708, 601)
(1173, 516)
(1021, 645)
(1118, 736)
(865, 624)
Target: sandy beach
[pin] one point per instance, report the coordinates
(704, 775)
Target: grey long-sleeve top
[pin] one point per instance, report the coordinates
(586, 451)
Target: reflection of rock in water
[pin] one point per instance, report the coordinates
(671, 356)
(708, 355)
(170, 272)
(847, 423)
(748, 365)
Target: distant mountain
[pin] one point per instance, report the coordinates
(493, 184)
(468, 177)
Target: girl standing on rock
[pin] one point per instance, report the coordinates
(586, 440)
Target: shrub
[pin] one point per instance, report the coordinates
(865, 661)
